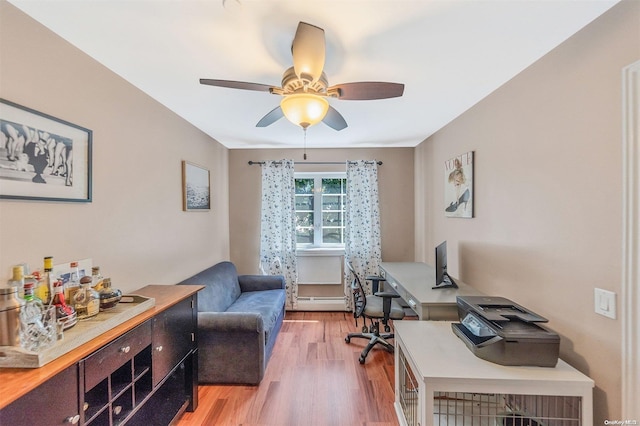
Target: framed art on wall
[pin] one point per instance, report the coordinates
(43, 157)
(196, 194)
(458, 186)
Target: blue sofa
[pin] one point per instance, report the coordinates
(239, 317)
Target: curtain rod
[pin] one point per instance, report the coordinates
(251, 163)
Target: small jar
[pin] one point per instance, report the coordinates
(109, 297)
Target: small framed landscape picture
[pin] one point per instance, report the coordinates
(458, 186)
(43, 157)
(196, 192)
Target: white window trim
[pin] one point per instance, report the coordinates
(319, 249)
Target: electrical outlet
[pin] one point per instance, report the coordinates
(605, 302)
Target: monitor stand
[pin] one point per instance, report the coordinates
(447, 282)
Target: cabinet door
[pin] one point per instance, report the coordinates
(55, 402)
(173, 337)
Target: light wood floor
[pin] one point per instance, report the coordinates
(313, 379)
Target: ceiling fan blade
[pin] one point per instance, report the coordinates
(368, 90)
(273, 116)
(334, 119)
(237, 84)
(308, 50)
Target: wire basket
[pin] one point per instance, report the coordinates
(481, 409)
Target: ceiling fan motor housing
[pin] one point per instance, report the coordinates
(292, 84)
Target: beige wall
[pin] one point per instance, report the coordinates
(395, 180)
(135, 228)
(548, 193)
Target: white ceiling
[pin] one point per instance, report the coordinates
(448, 53)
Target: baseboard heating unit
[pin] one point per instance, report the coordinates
(319, 303)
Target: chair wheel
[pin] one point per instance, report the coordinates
(347, 339)
(361, 359)
(387, 329)
(365, 329)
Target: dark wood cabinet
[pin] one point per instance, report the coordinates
(145, 375)
(53, 403)
(173, 338)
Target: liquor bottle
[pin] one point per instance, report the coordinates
(109, 297)
(31, 324)
(73, 285)
(41, 290)
(29, 295)
(65, 314)
(86, 300)
(44, 290)
(17, 280)
(96, 278)
(31, 281)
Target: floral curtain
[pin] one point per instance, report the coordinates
(277, 230)
(362, 223)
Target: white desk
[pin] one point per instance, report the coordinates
(431, 360)
(413, 282)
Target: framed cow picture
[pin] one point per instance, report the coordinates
(43, 157)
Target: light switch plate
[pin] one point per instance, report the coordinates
(605, 303)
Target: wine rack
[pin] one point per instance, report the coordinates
(117, 378)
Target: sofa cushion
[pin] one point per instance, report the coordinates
(268, 303)
(221, 287)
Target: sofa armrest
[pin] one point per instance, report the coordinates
(231, 347)
(230, 322)
(260, 282)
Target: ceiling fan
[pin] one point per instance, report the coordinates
(305, 86)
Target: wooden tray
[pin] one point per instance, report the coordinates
(79, 334)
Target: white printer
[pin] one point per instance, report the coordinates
(501, 331)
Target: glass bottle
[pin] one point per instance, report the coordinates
(31, 281)
(17, 280)
(96, 278)
(73, 284)
(86, 301)
(109, 297)
(41, 290)
(31, 325)
(48, 267)
(29, 294)
(65, 314)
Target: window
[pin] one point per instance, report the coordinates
(320, 203)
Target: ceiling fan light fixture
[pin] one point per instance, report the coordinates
(304, 109)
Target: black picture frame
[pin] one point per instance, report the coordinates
(43, 157)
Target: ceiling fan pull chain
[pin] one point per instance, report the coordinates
(305, 143)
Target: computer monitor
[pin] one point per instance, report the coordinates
(443, 280)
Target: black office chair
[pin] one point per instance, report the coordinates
(378, 307)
